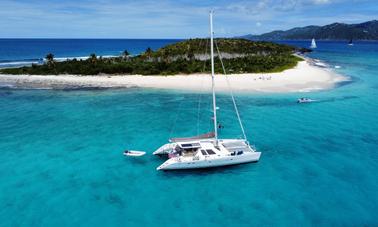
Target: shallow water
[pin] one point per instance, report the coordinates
(62, 163)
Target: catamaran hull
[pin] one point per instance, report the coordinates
(210, 163)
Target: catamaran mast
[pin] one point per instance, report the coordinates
(212, 78)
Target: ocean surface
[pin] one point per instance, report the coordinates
(61, 161)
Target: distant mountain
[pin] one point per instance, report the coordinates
(336, 31)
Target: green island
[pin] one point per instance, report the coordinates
(186, 57)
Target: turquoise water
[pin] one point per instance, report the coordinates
(61, 160)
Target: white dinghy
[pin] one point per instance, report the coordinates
(133, 153)
(306, 100)
(207, 150)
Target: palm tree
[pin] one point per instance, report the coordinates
(125, 54)
(165, 56)
(148, 53)
(92, 58)
(50, 59)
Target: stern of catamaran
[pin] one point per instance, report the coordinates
(165, 149)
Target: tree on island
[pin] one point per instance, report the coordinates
(148, 50)
(125, 54)
(148, 53)
(92, 58)
(50, 59)
(191, 55)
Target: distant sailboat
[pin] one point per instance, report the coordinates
(350, 42)
(313, 44)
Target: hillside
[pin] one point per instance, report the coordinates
(190, 56)
(336, 31)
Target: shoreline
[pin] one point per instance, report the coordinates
(304, 77)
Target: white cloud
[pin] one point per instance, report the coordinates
(319, 2)
(167, 18)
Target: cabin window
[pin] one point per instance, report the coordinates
(240, 152)
(203, 152)
(210, 151)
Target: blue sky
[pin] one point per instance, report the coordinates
(169, 18)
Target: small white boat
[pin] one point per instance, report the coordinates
(313, 44)
(305, 100)
(133, 153)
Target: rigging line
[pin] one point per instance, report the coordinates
(210, 124)
(199, 99)
(231, 91)
(200, 42)
(205, 57)
(198, 113)
(175, 121)
(199, 105)
(200, 92)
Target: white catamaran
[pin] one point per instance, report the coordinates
(207, 150)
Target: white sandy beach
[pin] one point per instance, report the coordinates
(303, 78)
